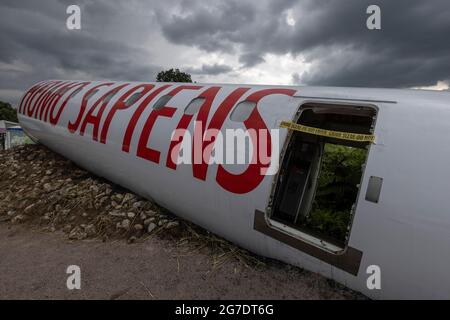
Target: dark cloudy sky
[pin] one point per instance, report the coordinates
(308, 42)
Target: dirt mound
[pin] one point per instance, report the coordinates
(39, 187)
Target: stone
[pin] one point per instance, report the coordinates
(90, 230)
(138, 204)
(126, 224)
(151, 227)
(118, 196)
(131, 215)
(172, 224)
(29, 208)
(138, 227)
(19, 218)
(117, 214)
(47, 217)
(77, 233)
(103, 200)
(162, 222)
(131, 239)
(128, 197)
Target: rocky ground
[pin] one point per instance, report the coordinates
(43, 191)
(40, 187)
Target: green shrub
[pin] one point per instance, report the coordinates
(7, 112)
(340, 173)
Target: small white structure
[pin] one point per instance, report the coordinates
(11, 134)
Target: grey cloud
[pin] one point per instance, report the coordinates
(36, 36)
(210, 69)
(296, 78)
(411, 48)
(118, 38)
(250, 59)
(211, 26)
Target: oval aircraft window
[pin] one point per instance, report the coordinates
(242, 111)
(109, 96)
(91, 94)
(134, 97)
(162, 102)
(73, 94)
(62, 91)
(194, 106)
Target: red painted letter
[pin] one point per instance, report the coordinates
(120, 105)
(251, 177)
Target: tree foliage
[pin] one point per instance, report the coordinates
(340, 173)
(173, 75)
(7, 112)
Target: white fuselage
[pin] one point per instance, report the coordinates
(406, 233)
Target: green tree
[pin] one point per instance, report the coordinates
(7, 112)
(337, 189)
(173, 75)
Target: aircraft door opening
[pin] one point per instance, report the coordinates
(316, 190)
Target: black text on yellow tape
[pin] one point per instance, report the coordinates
(328, 133)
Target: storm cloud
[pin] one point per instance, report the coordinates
(309, 42)
(410, 50)
(213, 69)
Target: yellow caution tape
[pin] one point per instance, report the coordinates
(328, 133)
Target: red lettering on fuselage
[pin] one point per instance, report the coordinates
(252, 176)
(120, 105)
(41, 100)
(143, 150)
(73, 126)
(30, 94)
(54, 119)
(45, 99)
(209, 95)
(94, 119)
(148, 153)
(215, 125)
(137, 114)
(29, 106)
(44, 110)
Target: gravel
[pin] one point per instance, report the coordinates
(40, 187)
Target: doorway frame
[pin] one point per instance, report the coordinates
(303, 236)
